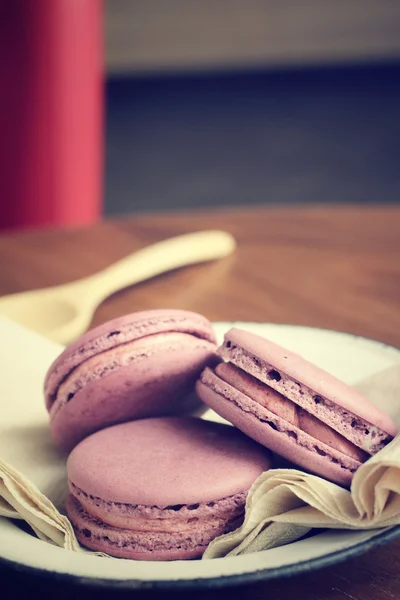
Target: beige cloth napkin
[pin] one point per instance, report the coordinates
(32, 469)
(282, 505)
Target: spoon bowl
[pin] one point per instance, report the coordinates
(64, 312)
(40, 313)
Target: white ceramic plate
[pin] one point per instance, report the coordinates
(348, 357)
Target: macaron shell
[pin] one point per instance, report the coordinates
(166, 462)
(157, 384)
(279, 442)
(125, 543)
(257, 355)
(120, 331)
(130, 551)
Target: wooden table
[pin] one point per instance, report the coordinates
(333, 267)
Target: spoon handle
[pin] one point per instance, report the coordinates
(156, 259)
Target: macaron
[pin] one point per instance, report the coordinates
(293, 407)
(162, 488)
(141, 365)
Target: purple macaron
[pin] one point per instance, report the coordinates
(293, 407)
(161, 489)
(140, 365)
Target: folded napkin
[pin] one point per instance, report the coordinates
(282, 505)
(32, 469)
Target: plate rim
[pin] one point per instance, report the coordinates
(284, 572)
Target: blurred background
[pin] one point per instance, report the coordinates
(211, 103)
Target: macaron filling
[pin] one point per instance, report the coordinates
(172, 519)
(121, 331)
(359, 431)
(349, 461)
(288, 410)
(97, 535)
(180, 517)
(105, 363)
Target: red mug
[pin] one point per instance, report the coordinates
(51, 112)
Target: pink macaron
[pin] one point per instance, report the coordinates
(161, 489)
(293, 407)
(140, 365)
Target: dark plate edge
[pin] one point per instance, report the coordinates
(213, 582)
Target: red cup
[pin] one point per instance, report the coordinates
(51, 112)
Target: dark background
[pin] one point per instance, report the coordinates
(274, 136)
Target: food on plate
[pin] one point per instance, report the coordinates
(293, 407)
(141, 365)
(162, 488)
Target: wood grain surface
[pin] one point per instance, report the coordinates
(332, 267)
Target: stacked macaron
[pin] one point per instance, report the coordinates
(149, 483)
(144, 484)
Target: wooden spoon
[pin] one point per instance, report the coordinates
(64, 312)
